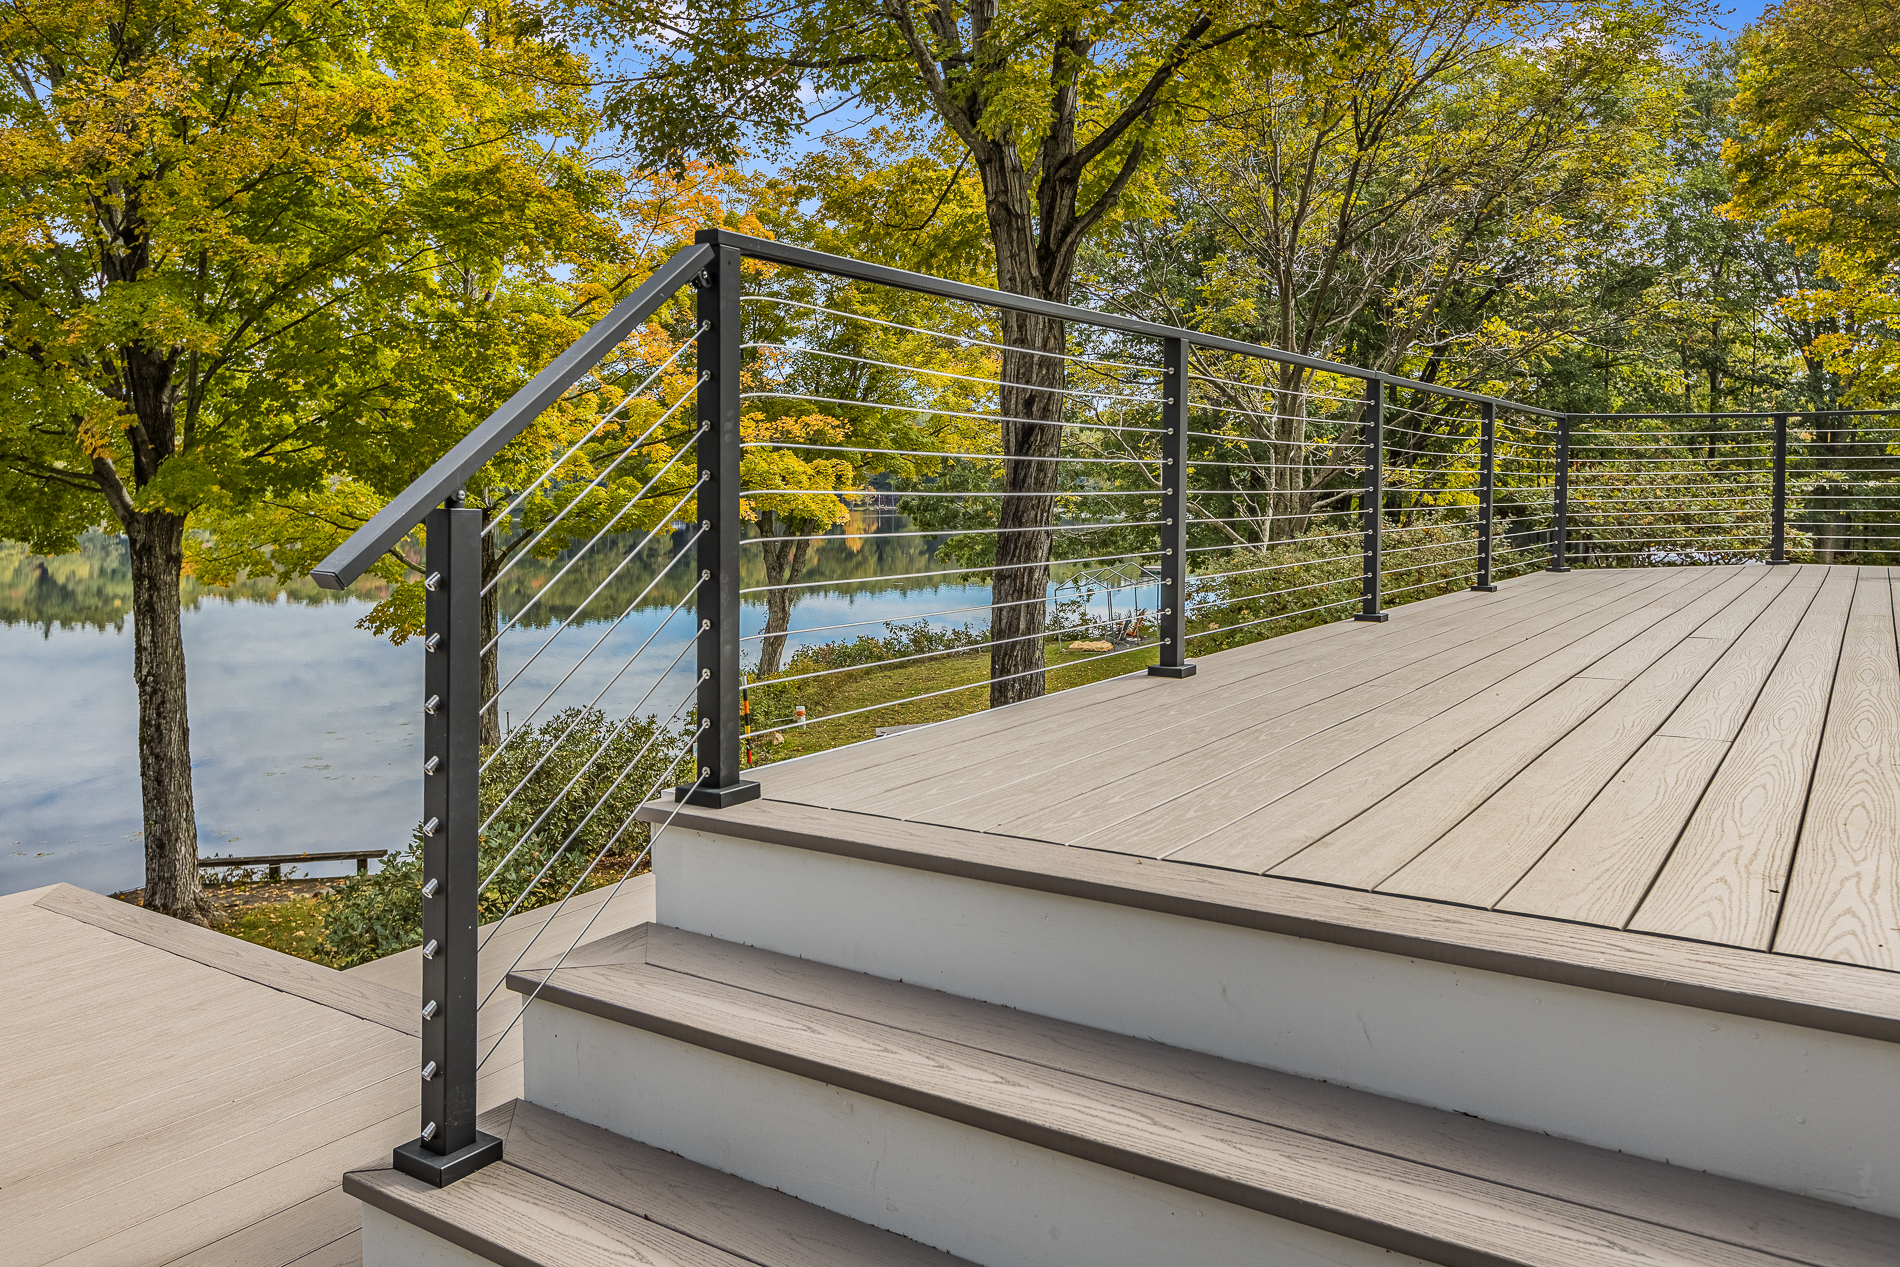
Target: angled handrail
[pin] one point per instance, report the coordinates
(451, 471)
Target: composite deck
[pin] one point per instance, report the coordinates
(1700, 753)
(177, 1096)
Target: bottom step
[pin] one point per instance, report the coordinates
(566, 1194)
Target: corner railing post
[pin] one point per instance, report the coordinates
(1778, 521)
(1373, 501)
(1172, 619)
(720, 780)
(1560, 523)
(1487, 488)
(450, 1146)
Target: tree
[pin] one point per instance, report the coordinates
(232, 238)
(1063, 110)
(1389, 208)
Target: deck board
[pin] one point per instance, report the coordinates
(1723, 880)
(1623, 749)
(178, 1096)
(1843, 899)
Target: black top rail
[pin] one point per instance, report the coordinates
(1749, 413)
(450, 472)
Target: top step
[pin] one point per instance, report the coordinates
(1737, 1062)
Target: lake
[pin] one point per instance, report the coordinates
(305, 729)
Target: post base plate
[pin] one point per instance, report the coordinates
(1171, 670)
(1377, 618)
(442, 1169)
(719, 797)
(1556, 569)
(1484, 589)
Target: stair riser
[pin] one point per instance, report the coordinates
(392, 1242)
(984, 1197)
(1762, 1101)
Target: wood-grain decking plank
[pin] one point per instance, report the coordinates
(1182, 800)
(1268, 835)
(1010, 794)
(1722, 882)
(278, 1114)
(1653, 1191)
(1501, 837)
(1843, 898)
(966, 758)
(1370, 847)
(237, 957)
(282, 1238)
(1599, 869)
(1377, 1196)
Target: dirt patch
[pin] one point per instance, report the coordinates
(234, 901)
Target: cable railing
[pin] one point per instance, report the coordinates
(669, 552)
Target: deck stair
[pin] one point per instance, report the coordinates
(1011, 1138)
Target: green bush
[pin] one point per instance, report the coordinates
(611, 766)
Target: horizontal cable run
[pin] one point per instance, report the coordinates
(904, 576)
(969, 532)
(935, 655)
(946, 413)
(945, 334)
(1046, 600)
(927, 453)
(794, 349)
(1231, 599)
(1274, 545)
(926, 492)
(968, 686)
(1268, 620)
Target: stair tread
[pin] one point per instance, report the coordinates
(567, 1194)
(1439, 1185)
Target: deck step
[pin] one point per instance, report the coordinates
(1714, 1058)
(568, 1194)
(1009, 1137)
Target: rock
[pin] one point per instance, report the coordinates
(777, 738)
(1091, 646)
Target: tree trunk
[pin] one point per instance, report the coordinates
(157, 547)
(784, 565)
(1021, 581)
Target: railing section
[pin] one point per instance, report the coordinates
(642, 568)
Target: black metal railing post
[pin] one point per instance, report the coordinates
(721, 778)
(1172, 619)
(1487, 489)
(1560, 522)
(450, 1146)
(1778, 521)
(1372, 501)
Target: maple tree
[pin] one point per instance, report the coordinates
(250, 254)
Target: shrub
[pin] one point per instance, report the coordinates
(580, 779)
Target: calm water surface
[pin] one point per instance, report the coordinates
(305, 730)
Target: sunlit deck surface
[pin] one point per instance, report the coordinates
(177, 1096)
(1700, 753)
